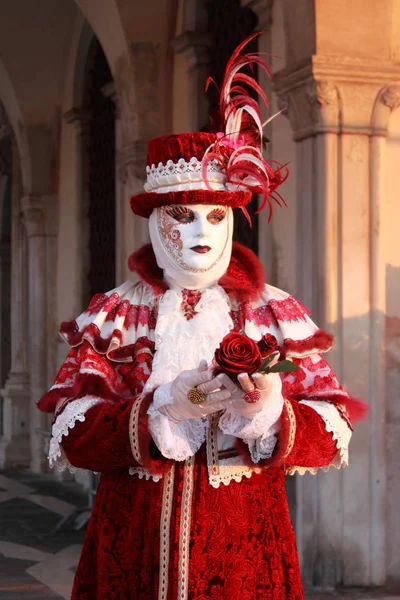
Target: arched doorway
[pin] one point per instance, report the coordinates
(228, 25)
(5, 257)
(100, 217)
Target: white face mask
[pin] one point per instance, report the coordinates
(192, 243)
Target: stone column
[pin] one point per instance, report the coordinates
(5, 265)
(79, 118)
(128, 181)
(41, 222)
(194, 47)
(139, 86)
(332, 106)
(384, 503)
(14, 446)
(132, 230)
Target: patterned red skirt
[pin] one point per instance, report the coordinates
(180, 538)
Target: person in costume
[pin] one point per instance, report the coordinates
(191, 501)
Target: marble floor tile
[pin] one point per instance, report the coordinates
(60, 507)
(56, 571)
(21, 552)
(14, 488)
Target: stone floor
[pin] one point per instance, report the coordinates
(37, 562)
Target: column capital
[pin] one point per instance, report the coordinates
(79, 117)
(332, 93)
(109, 90)
(194, 47)
(391, 97)
(137, 82)
(262, 9)
(131, 163)
(40, 214)
(387, 101)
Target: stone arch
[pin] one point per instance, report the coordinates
(12, 108)
(108, 28)
(74, 198)
(80, 62)
(5, 247)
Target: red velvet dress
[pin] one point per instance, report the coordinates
(163, 531)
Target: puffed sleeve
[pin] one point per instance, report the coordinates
(101, 419)
(316, 421)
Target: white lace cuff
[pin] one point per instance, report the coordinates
(177, 441)
(336, 425)
(73, 412)
(260, 432)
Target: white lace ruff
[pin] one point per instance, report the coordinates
(341, 433)
(181, 345)
(73, 412)
(184, 176)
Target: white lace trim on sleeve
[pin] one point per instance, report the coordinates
(143, 473)
(73, 412)
(260, 432)
(336, 425)
(176, 441)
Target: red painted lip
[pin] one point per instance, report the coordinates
(201, 249)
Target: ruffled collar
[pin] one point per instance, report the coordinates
(244, 279)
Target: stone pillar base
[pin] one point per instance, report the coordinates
(14, 443)
(14, 453)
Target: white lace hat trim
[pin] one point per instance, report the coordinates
(182, 176)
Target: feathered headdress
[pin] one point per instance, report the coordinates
(223, 168)
(238, 150)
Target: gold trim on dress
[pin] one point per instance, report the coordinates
(292, 429)
(227, 469)
(184, 540)
(134, 430)
(165, 523)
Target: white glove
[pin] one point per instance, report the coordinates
(180, 407)
(266, 385)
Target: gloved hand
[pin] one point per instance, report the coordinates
(181, 408)
(269, 389)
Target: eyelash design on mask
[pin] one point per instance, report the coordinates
(218, 214)
(179, 212)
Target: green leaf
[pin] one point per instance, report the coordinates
(284, 366)
(266, 362)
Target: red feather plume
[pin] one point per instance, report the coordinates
(238, 150)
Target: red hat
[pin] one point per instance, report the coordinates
(225, 168)
(175, 175)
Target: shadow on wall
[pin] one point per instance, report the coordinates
(341, 529)
(393, 419)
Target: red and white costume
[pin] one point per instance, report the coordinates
(194, 509)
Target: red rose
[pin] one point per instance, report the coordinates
(268, 345)
(237, 354)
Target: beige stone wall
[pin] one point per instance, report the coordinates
(280, 256)
(390, 224)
